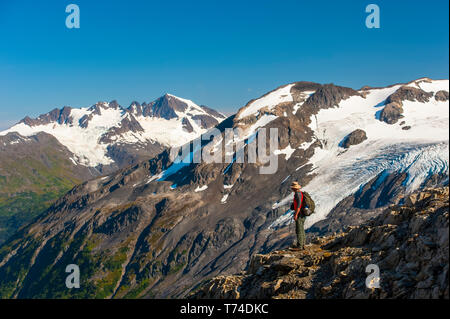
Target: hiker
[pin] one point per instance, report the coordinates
(303, 206)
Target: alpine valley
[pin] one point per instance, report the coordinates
(141, 224)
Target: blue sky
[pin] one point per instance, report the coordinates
(217, 53)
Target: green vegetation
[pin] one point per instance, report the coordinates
(135, 292)
(176, 268)
(14, 272)
(101, 270)
(112, 266)
(29, 185)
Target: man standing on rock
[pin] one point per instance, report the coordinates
(303, 206)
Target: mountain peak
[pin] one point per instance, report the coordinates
(167, 106)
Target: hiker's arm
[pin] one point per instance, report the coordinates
(296, 213)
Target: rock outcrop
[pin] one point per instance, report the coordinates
(393, 111)
(354, 138)
(408, 243)
(441, 96)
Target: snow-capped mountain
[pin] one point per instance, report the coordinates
(413, 141)
(42, 158)
(169, 223)
(104, 133)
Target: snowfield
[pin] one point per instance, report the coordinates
(83, 142)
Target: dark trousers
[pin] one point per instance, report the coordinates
(300, 231)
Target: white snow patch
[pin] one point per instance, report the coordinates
(434, 86)
(224, 198)
(201, 189)
(287, 177)
(305, 94)
(306, 145)
(288, 151)
(283, 220)
(155, 177)
(166, 132)
(270, 100)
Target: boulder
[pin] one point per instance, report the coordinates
(354, 138)
(391, 113)
(441, 96)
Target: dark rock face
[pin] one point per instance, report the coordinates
(96, 108)
(354, 138)
(60, 116)
(328, 95)
(135, 107)
(130, 154)
(166, 106)
(212, 112)
(305, 86)
(85, 119)
(64, 115)
(409, 243)
(114, 105)
(187, 125)
(147, 109)
(391, 113)
(407, 93)
(205, 121)
(128, 124)
(441, 96)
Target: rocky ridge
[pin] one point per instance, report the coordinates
(408, 242)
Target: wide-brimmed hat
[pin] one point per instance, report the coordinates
(295, 185)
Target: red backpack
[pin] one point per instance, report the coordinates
(306, 204)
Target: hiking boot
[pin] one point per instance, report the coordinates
(296, 247)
